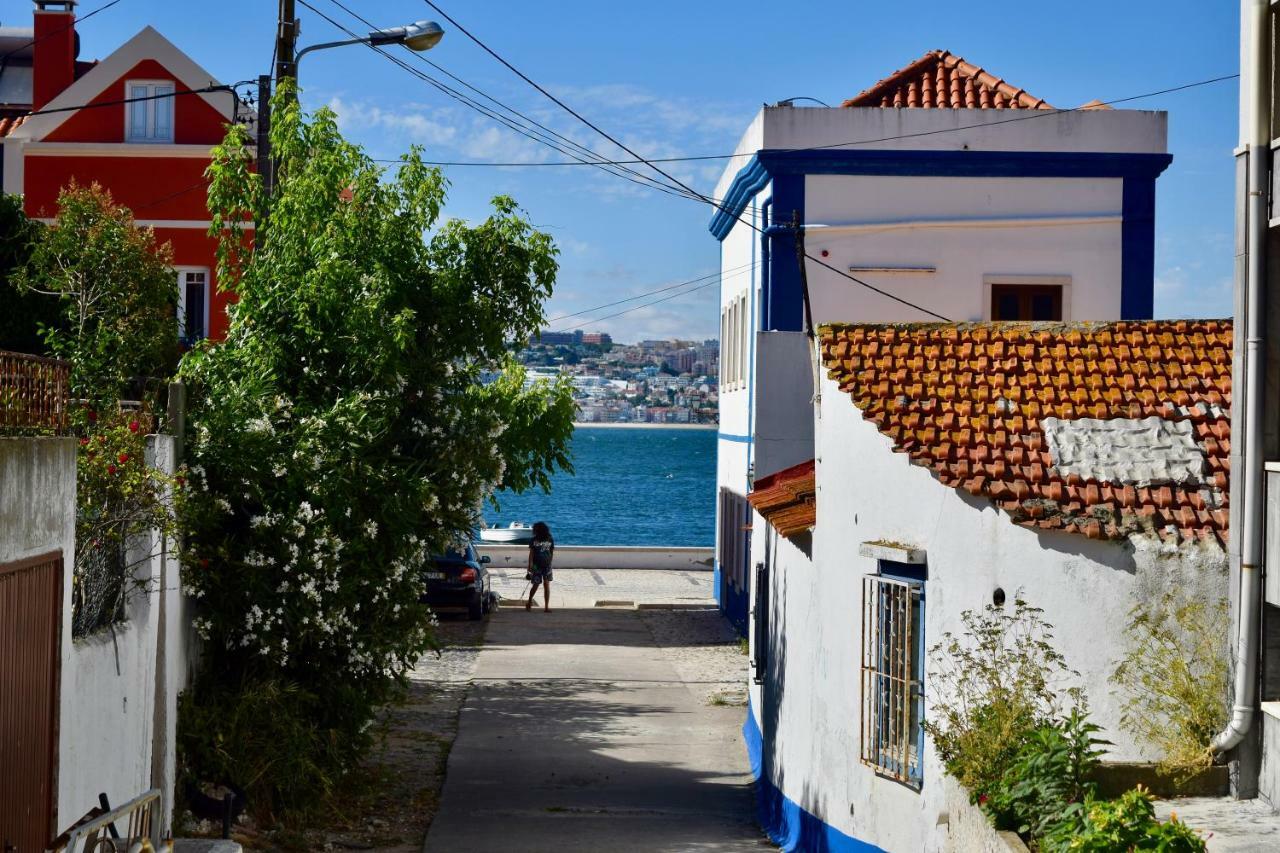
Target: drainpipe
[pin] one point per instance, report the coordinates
(1258, 130)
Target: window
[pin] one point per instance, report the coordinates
(735, 336)
(193, 305)
(734, 555)
(760, 634)
(150, 120)
(893, 673)
(1026, 302)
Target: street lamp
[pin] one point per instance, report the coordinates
(419, 36)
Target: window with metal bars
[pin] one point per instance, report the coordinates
(893, 677)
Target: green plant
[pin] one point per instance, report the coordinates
(994, 686)
(1127, 823)
(1175, 678)
(1049, 773)
(25, 312)
(117, 293)
(344, 431)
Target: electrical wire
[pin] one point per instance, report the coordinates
(586, 151)
(638, 307)
(74, 21)
(120, 101)
(722, 274)
(690, 191)
(644, 181)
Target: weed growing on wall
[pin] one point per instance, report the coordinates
(1175, 679)
(342, 434)
(994, 686)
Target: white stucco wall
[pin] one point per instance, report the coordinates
(37, 498)
(812, 705)
(117, 724)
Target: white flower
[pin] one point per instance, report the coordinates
(223, 505)
(371, 528)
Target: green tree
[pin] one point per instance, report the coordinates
(116, 290)
(25, 312)
(341, 435)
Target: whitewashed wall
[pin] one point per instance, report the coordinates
(868, 493)
(117, 729)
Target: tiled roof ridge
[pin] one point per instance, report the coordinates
(942, 79)
(967, 401)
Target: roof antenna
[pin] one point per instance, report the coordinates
(790, 102)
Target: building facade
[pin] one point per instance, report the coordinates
(125, 124)
(941, 192)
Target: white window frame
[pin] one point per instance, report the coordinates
(1063, 281)
(149, 135)
(182, 298)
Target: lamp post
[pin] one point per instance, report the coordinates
(419, 36)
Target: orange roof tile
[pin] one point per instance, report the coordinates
(9, 125)
(942, 79)
(967, 401)
(787, 499)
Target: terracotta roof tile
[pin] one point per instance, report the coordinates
(787, 499)
(942, 79)
(9, 125)
(967, 401)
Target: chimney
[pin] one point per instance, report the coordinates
(56, 47)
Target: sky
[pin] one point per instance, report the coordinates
(685, 78)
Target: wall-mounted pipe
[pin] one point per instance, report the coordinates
(1256, 15)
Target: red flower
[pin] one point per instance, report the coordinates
(124, 457)
(180, 480)
(982, 799)
(133, 426)
(83, 442)
(111, 469)
(204, 562)
(93, 416)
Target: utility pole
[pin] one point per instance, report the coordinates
(286, 41)
(286, 66)
(264, 134)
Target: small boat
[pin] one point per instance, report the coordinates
(517, 533)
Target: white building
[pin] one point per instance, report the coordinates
(941, 186)
(1081, 467)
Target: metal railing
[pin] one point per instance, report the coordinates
(34, 392)
(102, 834)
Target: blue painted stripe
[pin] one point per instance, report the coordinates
(972, 164)
(1138, 249)
(783, 820)
(728, 436)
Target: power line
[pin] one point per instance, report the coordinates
(1029, 115)
(638, 307)
(104, 7)
(692, 193)
(588, 152)
(722, 274)
(472, 104)
(120, 101)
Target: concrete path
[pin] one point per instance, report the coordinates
(579, 734)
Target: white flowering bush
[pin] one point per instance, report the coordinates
(340, 435)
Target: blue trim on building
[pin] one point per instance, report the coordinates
(783, 820)
(728, 436)
(716, 579)
(1138, 248)
(971, 164)
(786, 300)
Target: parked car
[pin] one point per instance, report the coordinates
(459, 578)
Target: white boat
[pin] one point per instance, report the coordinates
(517, 533)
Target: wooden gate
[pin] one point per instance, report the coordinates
(30, 649)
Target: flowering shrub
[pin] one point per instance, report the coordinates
(340, 434)
(123, 512)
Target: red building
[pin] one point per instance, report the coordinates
(151, 154)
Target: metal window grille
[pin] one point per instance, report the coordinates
(760, 640)
(892, 677)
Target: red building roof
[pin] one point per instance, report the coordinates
(788, 498)
(942, 79)
(972, 403)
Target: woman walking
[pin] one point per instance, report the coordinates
(541, 550)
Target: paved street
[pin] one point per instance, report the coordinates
(593, 728)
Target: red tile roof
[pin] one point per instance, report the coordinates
(9, 125)
(942, 79)
(966, 401)
(787, 499)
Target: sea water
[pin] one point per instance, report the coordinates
(630, 486)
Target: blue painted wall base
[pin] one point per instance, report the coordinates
(787, 824)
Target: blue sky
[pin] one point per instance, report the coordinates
(674, 79)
